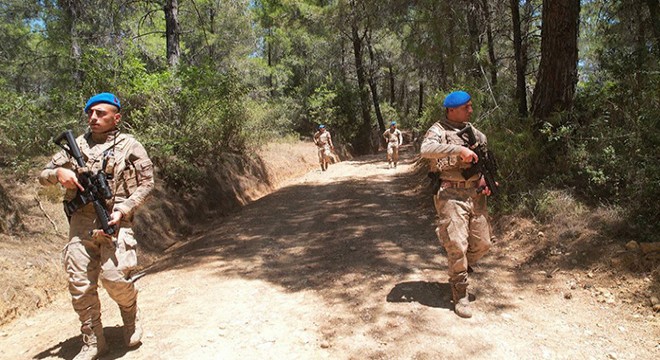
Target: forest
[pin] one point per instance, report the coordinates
(567, 91)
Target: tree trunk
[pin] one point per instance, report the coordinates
(344, 63)
(450, 67)
(641, 53)
(421, 99)
(172, 32)
(270, 63)
(391, 77)
(473, 30)
(557, 76)
(363, 144)
(521, 92)
(655, 21)
(491, 43)
(376, 101)
(212, 30)
(73, 10)
(373, 85)
(402, 89)
(405, 98)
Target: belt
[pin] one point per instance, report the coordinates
(458, 184)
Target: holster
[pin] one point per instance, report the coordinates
(435, 182)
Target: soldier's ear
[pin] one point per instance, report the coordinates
(117, 118)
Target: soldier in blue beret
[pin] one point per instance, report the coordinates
(91, 254)
(103, 98)
(323, 141)
(394, 139)
(463, 227)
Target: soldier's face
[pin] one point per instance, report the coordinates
(102, 118)
(461, 113)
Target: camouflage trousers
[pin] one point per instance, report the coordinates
(86, 260)
(463, 228)
(324, 153)
(392, 152)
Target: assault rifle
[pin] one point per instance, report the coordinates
(486, 165)
(96, 186)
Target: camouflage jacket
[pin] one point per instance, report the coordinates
(129, 169)
(443, 146)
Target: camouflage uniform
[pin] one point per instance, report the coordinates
(394, 140)
(323, 141)
(463, 226)
(130, 173)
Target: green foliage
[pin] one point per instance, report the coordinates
(189, 119)
(267, 122)
(615, 158)
(346, 109)
(323, 107)
(255, 71)
(433, 111)
(390, 114)
(25, 128)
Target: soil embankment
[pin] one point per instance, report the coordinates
(33, 228)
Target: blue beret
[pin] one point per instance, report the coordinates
(321, 126)
(393, 123)
(456, 99)
(106, 98)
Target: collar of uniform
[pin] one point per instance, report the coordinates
(103, 137)
(454, 125)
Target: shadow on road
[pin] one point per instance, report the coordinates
(345, 233)
(432, 294)
(308, 236)
(70, 347)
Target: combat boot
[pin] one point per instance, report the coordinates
(132, 326)
(94, 344)
(461, 299)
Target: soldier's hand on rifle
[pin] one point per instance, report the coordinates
(115, 218)
(100, 237)
(484, 187)
(68, 179)
(468, 156)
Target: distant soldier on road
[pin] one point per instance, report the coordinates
(394, 140)
(323, 141)
(463, 227)
(92, 253)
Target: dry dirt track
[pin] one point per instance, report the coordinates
(342, 264)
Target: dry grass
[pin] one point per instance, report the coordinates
(31, 275)
(569, 236)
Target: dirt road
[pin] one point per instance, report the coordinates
(344, 264)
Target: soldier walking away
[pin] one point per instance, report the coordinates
(394, 140)
(323, 141)
(91, 252)
(463, 227)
